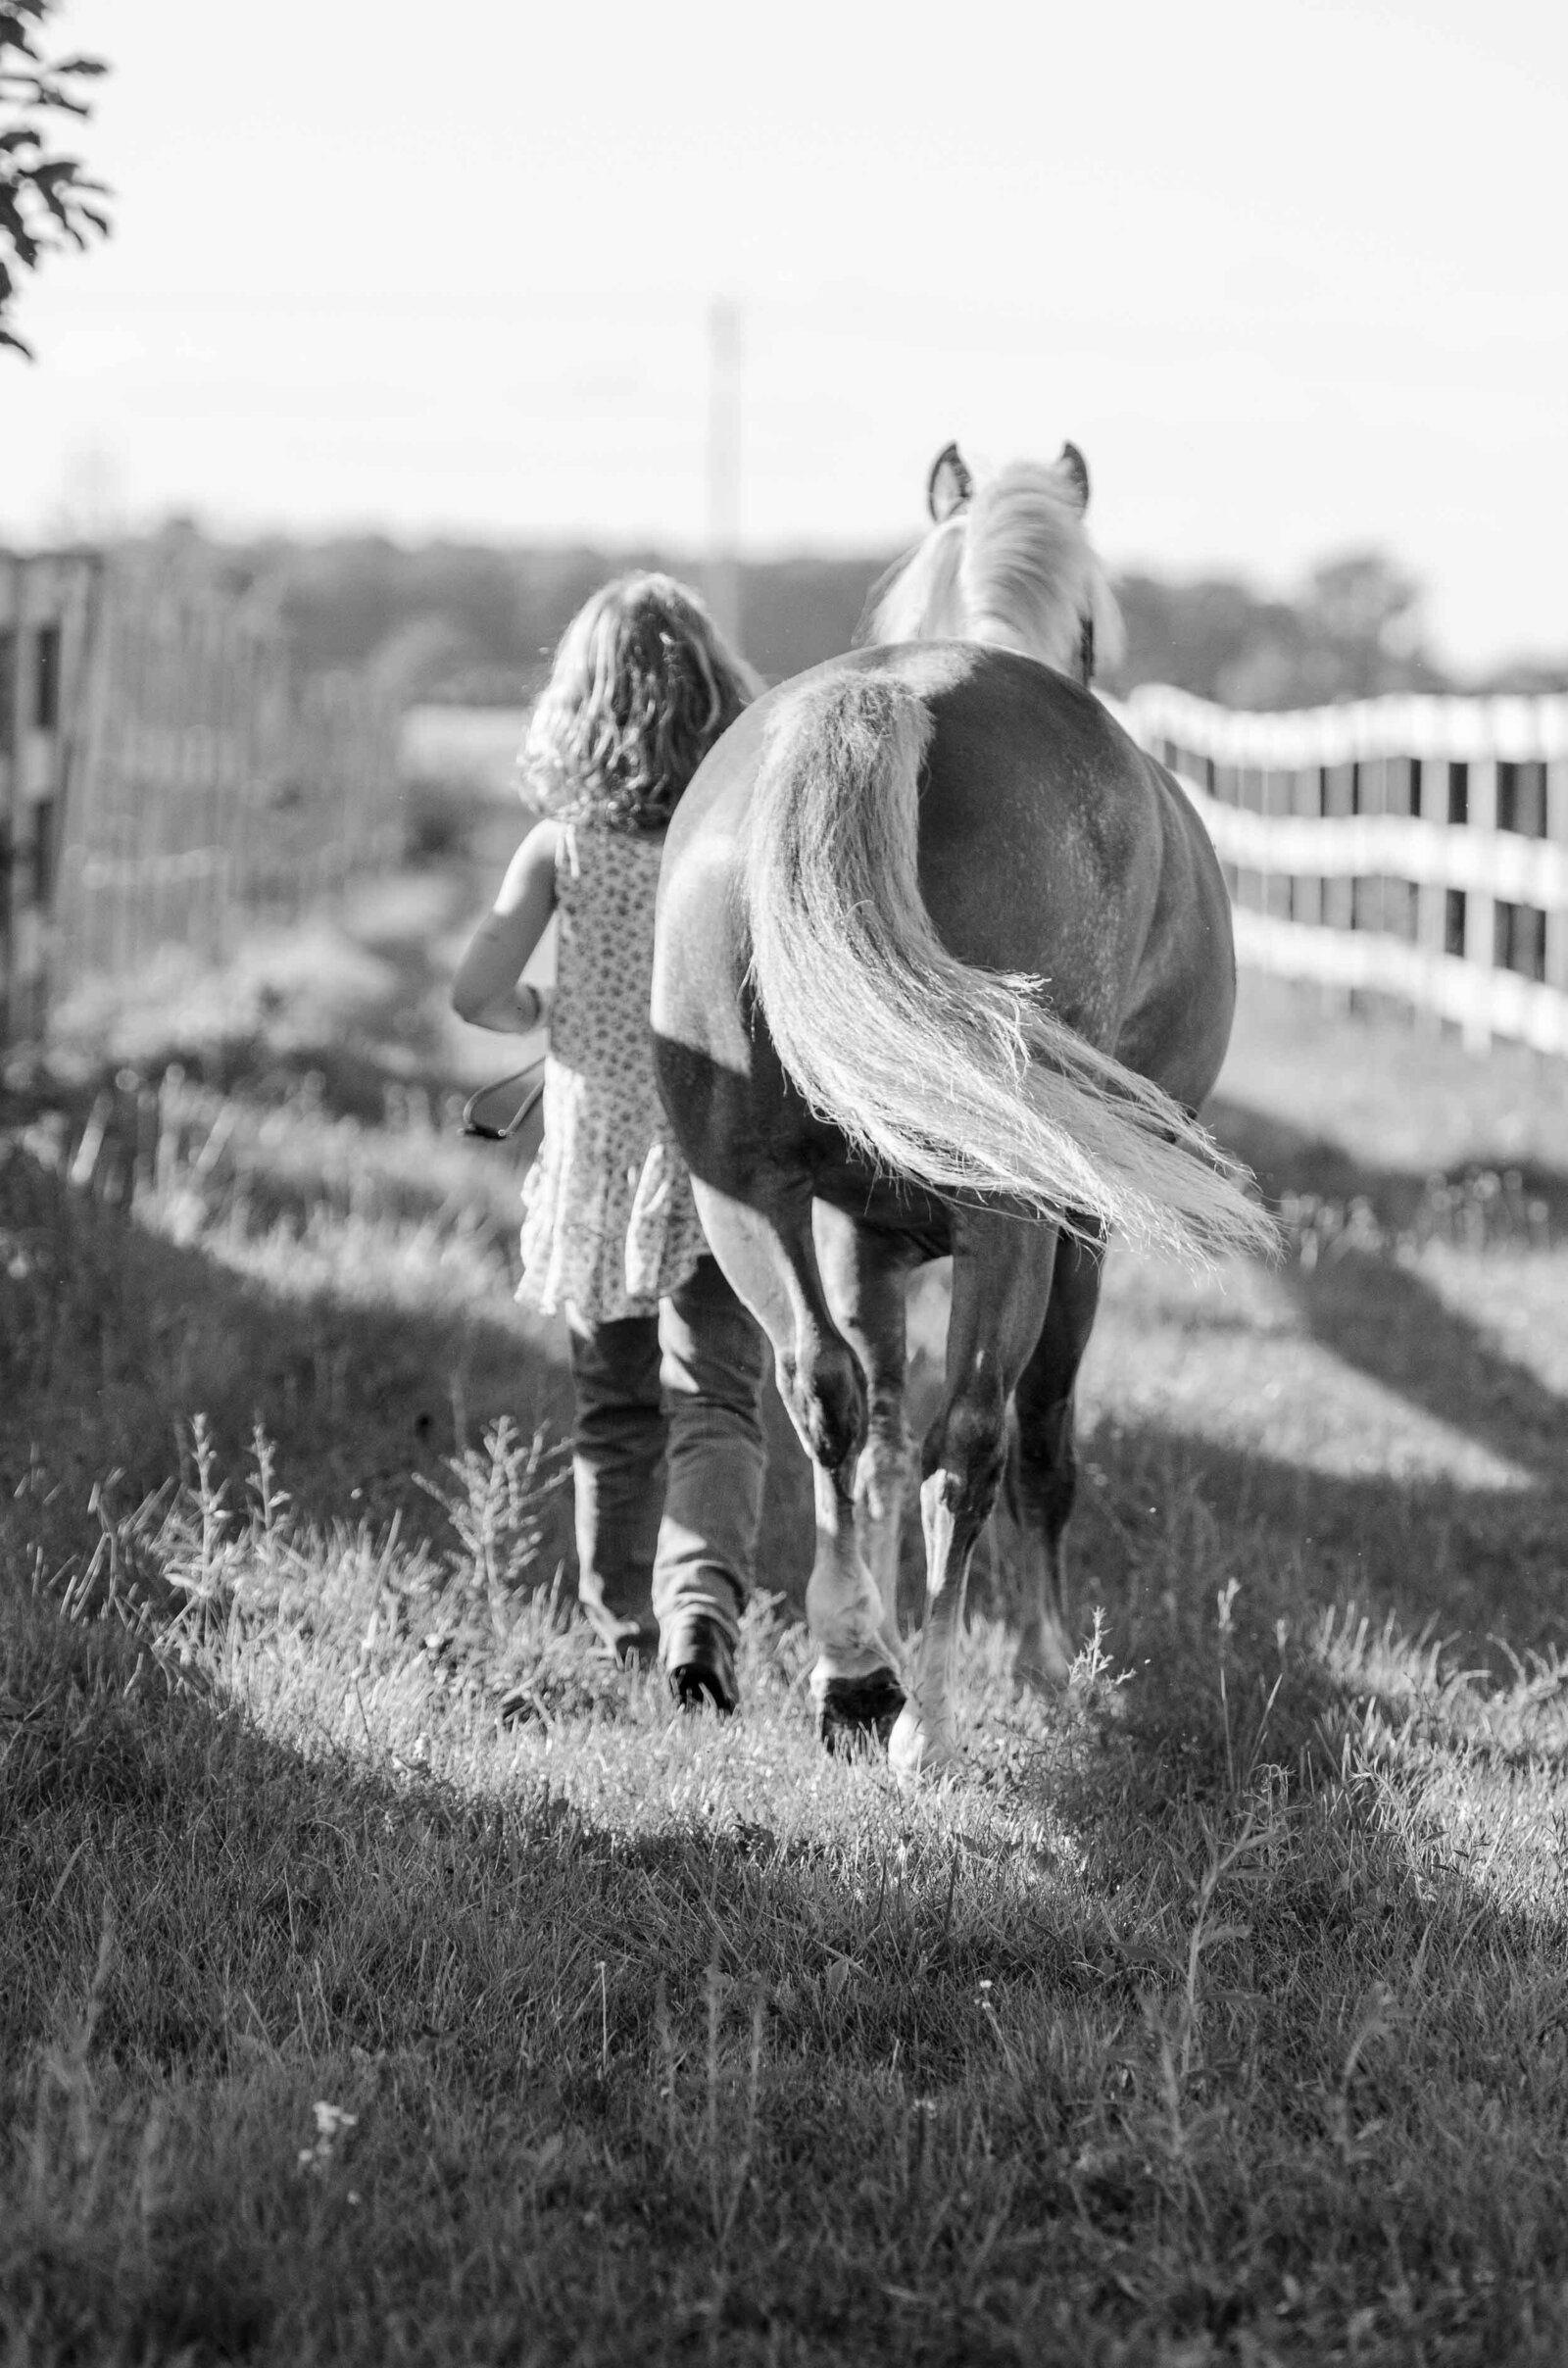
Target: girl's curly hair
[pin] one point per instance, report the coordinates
(642, 685)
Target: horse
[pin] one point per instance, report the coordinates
(944, 968)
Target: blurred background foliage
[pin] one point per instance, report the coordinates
(473, 625)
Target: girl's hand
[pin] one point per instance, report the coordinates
(533, 1005)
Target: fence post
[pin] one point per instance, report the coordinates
(1431, 896)
(1480, 909)
(38, 623)
(1557, 836)
(13, 738)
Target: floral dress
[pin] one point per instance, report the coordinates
(609, 1226)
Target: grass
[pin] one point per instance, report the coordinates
(382, 1979)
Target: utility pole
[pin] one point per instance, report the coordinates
(721, 564)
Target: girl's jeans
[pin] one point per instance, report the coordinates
(668, 1462)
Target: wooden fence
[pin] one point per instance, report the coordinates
(165, 774)
(1416, 848)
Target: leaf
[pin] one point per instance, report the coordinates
(8, 337)
(55, 94)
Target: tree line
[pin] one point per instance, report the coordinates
(476, 623)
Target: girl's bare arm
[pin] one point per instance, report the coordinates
(486, 988)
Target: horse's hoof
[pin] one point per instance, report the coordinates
(914, 1753)
(856, 1709)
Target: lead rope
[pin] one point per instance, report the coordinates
(532, 1079)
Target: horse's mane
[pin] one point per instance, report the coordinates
(1012, 567)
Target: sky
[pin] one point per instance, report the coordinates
(1291, 272)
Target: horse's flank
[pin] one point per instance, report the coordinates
(1012, 567)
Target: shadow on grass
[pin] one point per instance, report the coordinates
(362, 1401)
(269, 1929)
(909, 2062)
(1168, 1518)
(1166, 1514)
(1286, 1159)
(1485, 1562)
(365, 1401)
(353, 998)
(351, 1077)
(1383, 1318)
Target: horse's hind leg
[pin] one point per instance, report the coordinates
(865, 1272)
(1043, 1473)
(770, 1258)
(1002, 1275)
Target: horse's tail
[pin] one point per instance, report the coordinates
(960, 1078)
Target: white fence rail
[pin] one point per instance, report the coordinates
(1414, 846)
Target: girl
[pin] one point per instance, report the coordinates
(667, 1483)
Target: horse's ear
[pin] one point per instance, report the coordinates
(1077, 470)
(950, 484)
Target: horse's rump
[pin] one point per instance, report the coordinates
(961, 1078)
